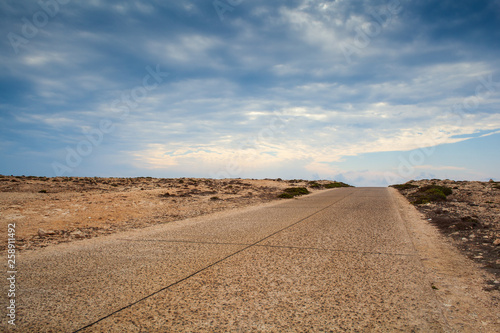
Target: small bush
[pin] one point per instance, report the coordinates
(432, 188)
(297, 190)
(432, 193)
(337, 184)
(293, 192)
(405, 186)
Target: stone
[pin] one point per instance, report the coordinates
(496, 242)
(77, 234)
(43, 233)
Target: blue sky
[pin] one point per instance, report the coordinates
(368, 92)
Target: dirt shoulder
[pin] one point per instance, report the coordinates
(459, 284)
(65, 209)
(469, 216)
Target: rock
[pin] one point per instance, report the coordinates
(42, 233)
(496, 242)
(77, 234)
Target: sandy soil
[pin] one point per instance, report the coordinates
(459, 283)
(63, 209)
(469, 217)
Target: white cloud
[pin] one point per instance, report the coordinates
(439, 167)
(187, 49)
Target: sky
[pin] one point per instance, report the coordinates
(367, 92)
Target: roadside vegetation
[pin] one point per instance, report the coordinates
(425, 194)
(292, 192)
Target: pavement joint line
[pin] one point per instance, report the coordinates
(339, 250)
(206, 267)
(183, 241)
(274, 246)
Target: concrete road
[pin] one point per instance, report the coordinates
(338, 260)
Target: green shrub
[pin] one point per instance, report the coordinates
(405, 186)
(293, 192)
(297, 191)
(443, 189)
(431, 193)
(337, 184)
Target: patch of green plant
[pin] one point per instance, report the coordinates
(405, 186)
(432, 188)
(314, 185)
(297, 190)
(337, 184)
(431, 193)
(293, 192)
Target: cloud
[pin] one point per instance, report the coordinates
(441, 167)
(267, 90)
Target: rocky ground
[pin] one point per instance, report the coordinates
(469, 216)
(62, 209)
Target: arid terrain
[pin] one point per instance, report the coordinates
(468, 212)
(63, 209)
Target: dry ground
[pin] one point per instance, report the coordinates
(469, 217)
(63, 209)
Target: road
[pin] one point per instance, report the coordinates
(337, 260)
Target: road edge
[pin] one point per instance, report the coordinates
(457, 281)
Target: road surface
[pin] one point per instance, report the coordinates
(337, 260)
